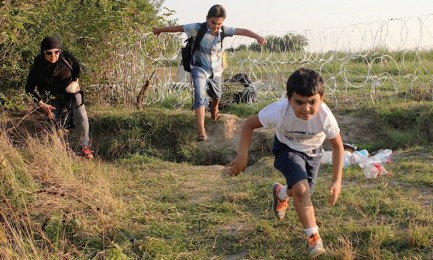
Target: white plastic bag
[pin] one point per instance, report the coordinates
(375, 170)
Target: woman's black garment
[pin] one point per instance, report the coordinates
(51, 79)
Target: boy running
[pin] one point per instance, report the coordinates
(302, 122)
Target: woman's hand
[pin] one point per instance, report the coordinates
(48, 109)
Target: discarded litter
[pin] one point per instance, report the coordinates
(372, 165)
(375, 170)
(327, 158)
(357, 156)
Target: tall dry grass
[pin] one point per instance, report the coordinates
(51, 200)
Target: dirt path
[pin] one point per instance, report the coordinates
(225, 134)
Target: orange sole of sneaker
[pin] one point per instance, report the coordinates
(316, 252)
(278, 214)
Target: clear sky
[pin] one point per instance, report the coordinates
(328, 25)
(286, 15)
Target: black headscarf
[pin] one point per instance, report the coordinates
(51, 77)
(49, 43)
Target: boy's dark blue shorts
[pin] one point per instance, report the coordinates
(295, 165)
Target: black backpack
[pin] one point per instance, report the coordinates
(193, 44)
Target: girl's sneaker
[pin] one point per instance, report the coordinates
(315, 246)
(278, 206)
(201, 138)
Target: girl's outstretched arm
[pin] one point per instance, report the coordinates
(245, 32)
(169, 29)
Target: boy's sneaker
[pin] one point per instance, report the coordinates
(279, 206)
(87, 153)
(315, 246)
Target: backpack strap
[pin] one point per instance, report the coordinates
(67, 63)
(222, 36)
(200, 35)
(202, 32)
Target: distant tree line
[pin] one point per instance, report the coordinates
(287, 43)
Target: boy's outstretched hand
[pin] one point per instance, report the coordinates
(239, 164)
(236, 166)
(334, 192)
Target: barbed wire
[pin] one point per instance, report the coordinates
(375, 60)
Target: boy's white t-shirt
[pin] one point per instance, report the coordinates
(299, 134)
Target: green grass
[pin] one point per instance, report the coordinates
(153, 200)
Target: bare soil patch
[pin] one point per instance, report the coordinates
(224, 135)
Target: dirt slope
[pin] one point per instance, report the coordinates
(225, 134)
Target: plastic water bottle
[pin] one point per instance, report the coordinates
(383, 156)
(363, 153)
(365, 161)
(357, 155)
(347, 156)
(326, 157)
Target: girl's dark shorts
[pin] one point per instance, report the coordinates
(297, 166)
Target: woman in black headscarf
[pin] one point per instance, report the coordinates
(53, 83)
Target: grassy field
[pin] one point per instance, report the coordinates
(150, 194)
(153, 193)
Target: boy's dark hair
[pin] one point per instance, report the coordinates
(305, 82)
(217, 11)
